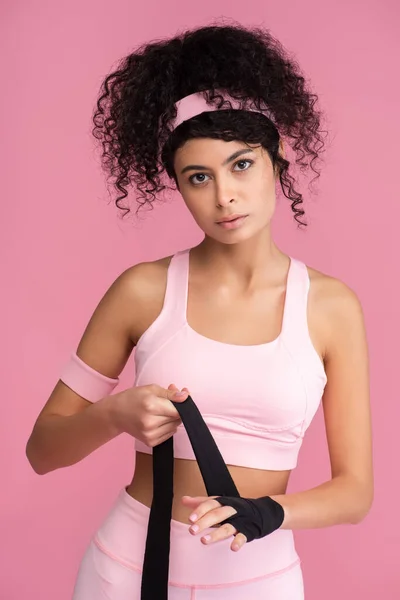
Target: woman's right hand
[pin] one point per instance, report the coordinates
(146, 413)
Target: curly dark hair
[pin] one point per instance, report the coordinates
(136, 105)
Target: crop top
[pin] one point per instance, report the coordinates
(257, 400)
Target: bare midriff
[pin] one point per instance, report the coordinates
(251, 483)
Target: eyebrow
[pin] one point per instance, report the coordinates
(228, 160)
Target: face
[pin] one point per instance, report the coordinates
(220, 179)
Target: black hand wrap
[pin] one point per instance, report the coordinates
(256, 517)
(253, 519)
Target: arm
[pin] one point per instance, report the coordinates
(348, 496)
(69, 427)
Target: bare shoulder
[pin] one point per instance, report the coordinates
(145, 277)
(145, 285)
(125, 310)
(334, 307)
(334, 293)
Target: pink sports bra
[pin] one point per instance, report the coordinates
(257, 400)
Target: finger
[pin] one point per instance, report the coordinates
(150, 426)
(169, 394)
(212, 518)
(162, 433)
(194, 502)
(173, 387)
(238, 542)
(156, 402)
(163, 439)
(221, 533)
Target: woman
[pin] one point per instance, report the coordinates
(256, 337)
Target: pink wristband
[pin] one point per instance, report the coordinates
(85, 381)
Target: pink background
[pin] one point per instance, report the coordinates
(63, 245)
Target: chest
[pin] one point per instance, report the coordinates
(242, 320)
(252, 320)
(260, 387)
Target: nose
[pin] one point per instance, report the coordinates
(224, 195)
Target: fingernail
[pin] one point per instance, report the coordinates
(206, 538)
(235, 547)
(194, 528)
(179, 394)
(193, 517)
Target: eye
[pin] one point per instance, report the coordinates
(191, 179)
(197, 175)
(243, 161)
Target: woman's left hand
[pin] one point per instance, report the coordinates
(208, 512)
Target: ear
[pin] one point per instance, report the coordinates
(282, 153)
(282, 148)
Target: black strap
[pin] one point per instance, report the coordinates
(217, 480)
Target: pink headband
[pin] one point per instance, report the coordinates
(196, 103)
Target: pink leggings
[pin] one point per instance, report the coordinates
(266, 569)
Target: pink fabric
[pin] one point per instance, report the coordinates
(257, 400)
(111, 567)
(85, 381)
(195, 104)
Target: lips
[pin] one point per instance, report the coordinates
(234, 222)
(230, 218)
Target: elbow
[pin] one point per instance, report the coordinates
(361, 505)
(34, 460)
(38, 470)
(358, 516)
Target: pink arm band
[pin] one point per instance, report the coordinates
(85, 381)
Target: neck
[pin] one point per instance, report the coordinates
(246, 262)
